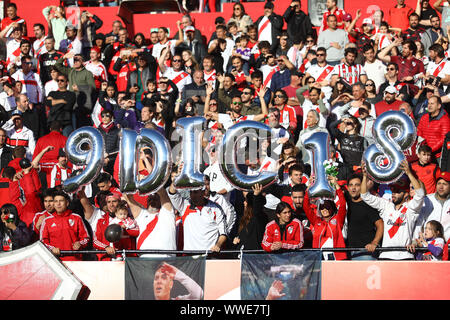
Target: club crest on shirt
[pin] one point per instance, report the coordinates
(71, 222)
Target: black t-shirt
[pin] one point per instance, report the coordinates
(360, 223)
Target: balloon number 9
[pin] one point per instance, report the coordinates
(318, 144)
(394, 132)
(84, 147)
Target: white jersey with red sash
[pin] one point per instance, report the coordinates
(268, 72)
(398, 224)
(12, 59)
(12, 49)
(156, 231)
(320, 73)
(440, 69)
(349, 73)
(158, 47)
(32, 85)
(265, 30)
(383, 40)
(180, 78)
(306, 64)
(210, 77)
(59, 175)
(39, 47)
(268, 164)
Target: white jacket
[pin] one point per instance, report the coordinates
(433, 210)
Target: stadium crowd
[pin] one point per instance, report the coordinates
(298, 79)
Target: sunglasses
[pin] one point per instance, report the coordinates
(162, 82)
(320, 54)
(236, 103)
(391, 69)
(279, 96)
(176, 60)
(369, 84)
(213, 103)
(243, 92)
(61, 80)
(309, 41)
(106, 116)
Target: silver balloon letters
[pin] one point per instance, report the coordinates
(84, 147)
(191, 177)
(130, 146)
(228, 154)
(394, 132)
(318, 144)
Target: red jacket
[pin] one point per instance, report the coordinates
(128, 240)
(427, 174)
(24, 194)
(291, 238)
(434, 130)
(323, 230)
(62, 231)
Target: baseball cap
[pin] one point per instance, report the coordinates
(444, 175)
(189, 28)
(367, 21)
(391, 89)
(16, 112)
(347, 17)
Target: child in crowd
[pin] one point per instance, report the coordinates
(425, 170)
(130, 231)
(61, 171)
(433, 239)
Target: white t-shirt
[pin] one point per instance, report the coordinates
(375, 72)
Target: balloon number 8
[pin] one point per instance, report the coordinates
(394, 132)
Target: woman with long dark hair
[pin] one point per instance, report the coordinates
(14, 233)
(253, 221)
(241, 18)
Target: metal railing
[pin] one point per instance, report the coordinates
(126, 252)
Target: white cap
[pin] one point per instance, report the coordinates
(391, 89)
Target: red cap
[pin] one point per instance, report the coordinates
(444, 175)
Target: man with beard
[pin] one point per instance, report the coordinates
(400, 215)
(436, 206)
(48, 59)
(390, 102)
(60, 171)
(414, 31)
(349, 70)
(279, 134)
(364, 225)
(249, 107)
(282, 77)
(429, 37)
(298, 23)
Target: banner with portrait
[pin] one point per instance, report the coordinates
(283, 276)
(174, 278)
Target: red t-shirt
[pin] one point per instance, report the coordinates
(399, 17)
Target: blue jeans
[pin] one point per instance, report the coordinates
(362, 256)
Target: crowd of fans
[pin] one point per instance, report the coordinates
(297, 79)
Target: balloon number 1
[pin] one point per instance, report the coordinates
(318, 144)
(131, 144)
(394, 132)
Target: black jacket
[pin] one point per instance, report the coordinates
(298, 25)
(61, 112)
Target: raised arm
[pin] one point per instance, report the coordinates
(264, 111)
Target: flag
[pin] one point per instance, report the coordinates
(283, 276)
(165, 278)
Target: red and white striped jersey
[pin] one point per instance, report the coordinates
(350, 73)
(58, 175)
(23, 137)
